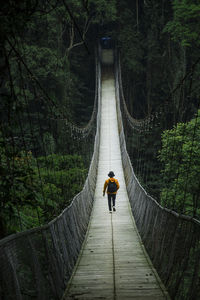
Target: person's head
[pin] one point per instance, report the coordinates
(111, 174)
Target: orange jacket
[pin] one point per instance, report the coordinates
(106, 185)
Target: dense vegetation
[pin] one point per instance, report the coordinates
(159, 43)
(47, 82)
(180, 157)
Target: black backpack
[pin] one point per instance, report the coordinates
(112, 186)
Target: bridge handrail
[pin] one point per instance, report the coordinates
(171, 240)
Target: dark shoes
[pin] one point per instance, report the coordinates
(110, 211)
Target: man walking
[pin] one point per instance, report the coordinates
(112, 186)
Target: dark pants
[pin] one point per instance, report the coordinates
(111, 200)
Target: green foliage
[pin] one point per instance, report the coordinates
(132, 45)
(159, 74)
(180, 155)
(17, 186)
(46, 78)
(43, 61)
(143, 55)
(62, 177)
(185, 24)
(105, 11)
(34, 191)
(49, 143)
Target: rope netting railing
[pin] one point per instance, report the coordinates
(37, 263)
(44, 156)
(172, 240)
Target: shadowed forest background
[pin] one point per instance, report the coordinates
(47, 90)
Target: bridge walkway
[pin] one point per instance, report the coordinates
(113, 263)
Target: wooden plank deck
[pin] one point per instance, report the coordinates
(112, 263)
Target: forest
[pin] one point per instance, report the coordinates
(47, 90)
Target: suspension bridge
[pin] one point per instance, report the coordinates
(103, 257)
(113, 263)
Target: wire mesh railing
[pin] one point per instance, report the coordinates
(171, 240)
